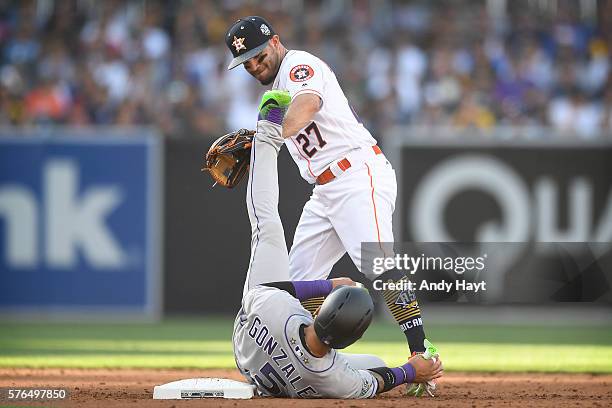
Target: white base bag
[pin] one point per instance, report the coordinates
(195, 388)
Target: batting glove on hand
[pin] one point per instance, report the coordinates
(429, 387)
(272, 109)
(273, 106)
(417, 390)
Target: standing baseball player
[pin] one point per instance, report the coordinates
(278, 345)
(355, 187)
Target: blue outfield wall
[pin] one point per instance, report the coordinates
(79, 225)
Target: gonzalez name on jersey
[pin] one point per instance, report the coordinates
(269, 351)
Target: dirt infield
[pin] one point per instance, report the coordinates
(134, 388)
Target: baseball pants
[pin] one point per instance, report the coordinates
(357, 206)
(269, 259)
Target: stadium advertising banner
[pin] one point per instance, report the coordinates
(505, 198)
(79, 229)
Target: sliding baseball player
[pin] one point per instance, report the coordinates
(278, 345)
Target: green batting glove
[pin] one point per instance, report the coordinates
(274, 105)
(430, 350)
(416, 390)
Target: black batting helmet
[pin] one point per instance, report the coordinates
(344, 316)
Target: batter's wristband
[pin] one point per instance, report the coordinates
(408, 372)
(388, 376)
(310, 289)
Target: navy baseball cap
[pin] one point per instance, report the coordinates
(247, 37)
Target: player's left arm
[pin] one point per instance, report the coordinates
(300, 113)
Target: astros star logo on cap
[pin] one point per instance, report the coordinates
(238, 44)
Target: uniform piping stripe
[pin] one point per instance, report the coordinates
(252, 170)
(374, 204)
(304, 157)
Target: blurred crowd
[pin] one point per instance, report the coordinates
(470, 64)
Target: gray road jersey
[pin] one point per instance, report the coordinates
(270, 354)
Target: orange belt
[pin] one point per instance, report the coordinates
(344, 164)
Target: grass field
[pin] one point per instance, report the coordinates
(204, 343)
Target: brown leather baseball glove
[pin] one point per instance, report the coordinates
(228, 158)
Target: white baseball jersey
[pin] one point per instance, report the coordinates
(270, 354)
(335, 130)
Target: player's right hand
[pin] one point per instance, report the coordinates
(426, 370)
(274, 105)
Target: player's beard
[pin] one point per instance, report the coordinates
(270, 79)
